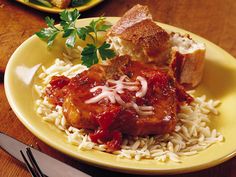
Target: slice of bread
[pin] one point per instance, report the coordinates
(187, 59)
(136, 34)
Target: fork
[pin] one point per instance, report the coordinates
(31, 163)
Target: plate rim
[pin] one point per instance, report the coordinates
(98, 163)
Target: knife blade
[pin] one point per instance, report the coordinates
(49, 166)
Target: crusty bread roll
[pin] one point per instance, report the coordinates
(136, 34)
(187, 59)
(61, 3)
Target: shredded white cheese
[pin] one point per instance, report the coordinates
(142, 92)
(113, 88)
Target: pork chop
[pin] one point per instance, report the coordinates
(161, 95)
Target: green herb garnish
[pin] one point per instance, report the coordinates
(50, 33)
(68, 24)
(92, 29)
(89, 54)
(93, 51)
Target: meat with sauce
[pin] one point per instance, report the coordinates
(161, 95)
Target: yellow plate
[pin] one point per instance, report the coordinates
(219, 82)
(55, 10)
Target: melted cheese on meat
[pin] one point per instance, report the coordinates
(113, 88)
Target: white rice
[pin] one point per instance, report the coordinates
(191, 135)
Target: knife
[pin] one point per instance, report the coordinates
(49, 166)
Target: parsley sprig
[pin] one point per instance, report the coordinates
(89, 54)
(49, 33)
(68, 25)
(93, 51)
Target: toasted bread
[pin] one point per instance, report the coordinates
(137, 35)
(187, 59)
(136, 14)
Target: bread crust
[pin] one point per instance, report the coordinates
(152, 38)
(135, 15)
(188, 68)
(187, 60)
(138, 28)
(137, 35)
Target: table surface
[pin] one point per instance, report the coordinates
(214, 20)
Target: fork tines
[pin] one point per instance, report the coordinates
(31, 164)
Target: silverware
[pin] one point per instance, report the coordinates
(32, 165)
(48, 165)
